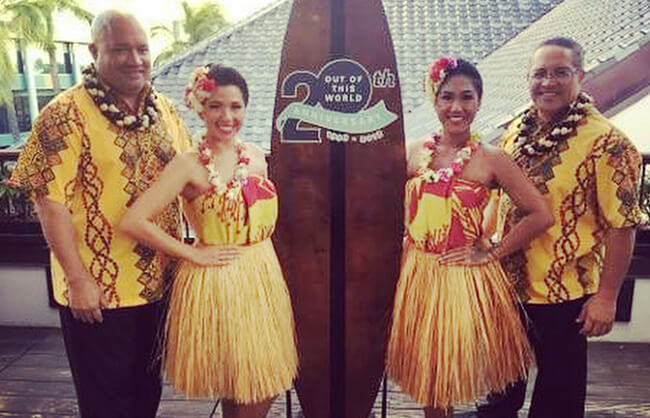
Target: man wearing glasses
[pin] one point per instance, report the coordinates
(568, 278)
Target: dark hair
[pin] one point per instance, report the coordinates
(227, 76)
(470, 71)
(568, 43)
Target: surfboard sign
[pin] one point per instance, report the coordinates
(337, 158)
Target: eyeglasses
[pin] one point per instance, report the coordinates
(560, 74)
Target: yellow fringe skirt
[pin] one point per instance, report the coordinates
(456, 333)
(230, 331)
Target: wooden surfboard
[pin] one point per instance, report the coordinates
(337, 157)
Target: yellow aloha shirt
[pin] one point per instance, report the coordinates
(591, 183)
(75, 156)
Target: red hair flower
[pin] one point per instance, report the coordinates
(437, 74)
(199, 89)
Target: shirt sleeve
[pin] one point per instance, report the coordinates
(618, 173)
(506, 141)
(182, 137)
(47, 165)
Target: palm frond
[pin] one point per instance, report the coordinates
(170, 51)
(27, 21)
(7, 72)
(198, 22)
(76, 10)
(161, 30)
(207, 19)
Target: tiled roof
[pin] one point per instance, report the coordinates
(607, 30)
(421, 30)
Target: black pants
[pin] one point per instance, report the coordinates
(561, 354)
(114, 367)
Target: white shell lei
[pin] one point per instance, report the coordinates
(530, 146)
(145, 118)
(240, 175)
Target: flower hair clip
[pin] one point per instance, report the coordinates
(436, 75)
(199, 88)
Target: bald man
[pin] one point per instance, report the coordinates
(93, 150)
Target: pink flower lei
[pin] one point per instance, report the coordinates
(436, 75)
(447, 173)
(199, 88)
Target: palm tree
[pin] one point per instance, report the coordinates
(49, 8)
(6, 80)
(31, 22)
(21, 19)
(198, 23)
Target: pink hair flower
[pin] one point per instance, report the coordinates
(206, 84)
(438, 71)
(430, 145)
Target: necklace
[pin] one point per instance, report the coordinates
(239, 177)
(531, 145)
(107, 104)
(457, 164)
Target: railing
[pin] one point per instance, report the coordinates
(21, 238)
(15, 207)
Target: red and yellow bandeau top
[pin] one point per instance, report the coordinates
(443, 215)
(248, 218)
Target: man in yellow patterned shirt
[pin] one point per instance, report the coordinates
(93, 150)
(569, 277)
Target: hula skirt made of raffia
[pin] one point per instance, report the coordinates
(230, 330)
(456, 332)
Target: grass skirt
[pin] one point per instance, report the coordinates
(456, 332)
(229, 331)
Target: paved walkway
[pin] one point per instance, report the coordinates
(35, 382)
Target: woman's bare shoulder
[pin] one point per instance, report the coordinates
(257, 157)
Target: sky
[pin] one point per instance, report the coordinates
(151, 14)
(160, 11)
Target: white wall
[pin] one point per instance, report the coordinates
(24, 299)
(24, 302)
(638, 329)
(633, 120)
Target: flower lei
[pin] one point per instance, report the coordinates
(436, 75)
(530, 146)
(199, 88)
(107, 104)
(447, 173)
(239, 177)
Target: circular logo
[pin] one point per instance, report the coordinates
(345, 86)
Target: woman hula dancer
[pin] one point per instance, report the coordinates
(457, 333)
(229, 332)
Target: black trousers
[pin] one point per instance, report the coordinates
(561, 354)
(114, 364)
